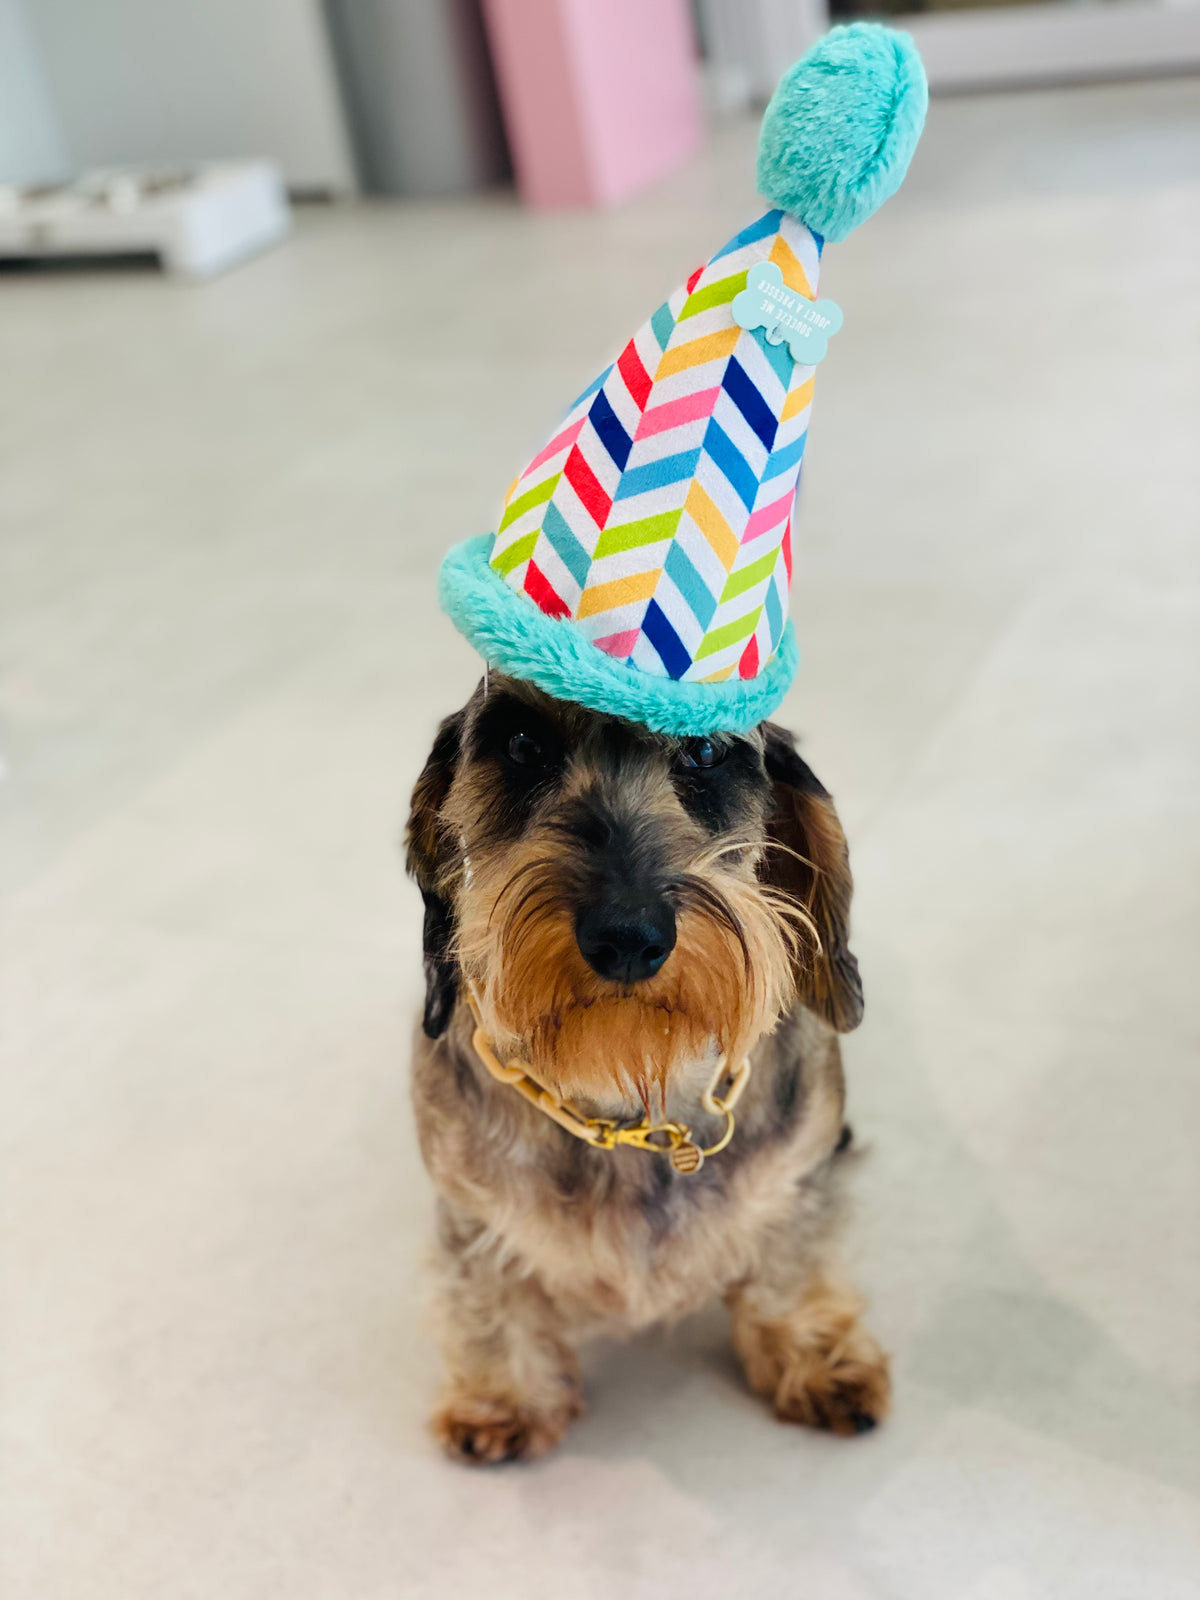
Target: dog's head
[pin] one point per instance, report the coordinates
(624, 902)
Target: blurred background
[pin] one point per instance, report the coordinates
(400, 96)
(288, 292)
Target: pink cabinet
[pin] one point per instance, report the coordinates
(600, 97)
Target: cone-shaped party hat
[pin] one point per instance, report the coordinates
(643, 560)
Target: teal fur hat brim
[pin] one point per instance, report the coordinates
(512, 635)
(842, 126)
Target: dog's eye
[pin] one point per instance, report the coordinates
(525, 751)
(699, 753)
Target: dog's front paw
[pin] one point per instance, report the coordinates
(819, 1367)
(486, 1432)
(845, 1390)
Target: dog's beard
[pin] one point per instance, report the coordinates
(723, 986)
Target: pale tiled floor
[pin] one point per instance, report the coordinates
(222, 511)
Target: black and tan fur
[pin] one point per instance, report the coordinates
(542, 1240)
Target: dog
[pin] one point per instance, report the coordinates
(623, 913)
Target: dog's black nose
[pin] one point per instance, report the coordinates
(626, 943)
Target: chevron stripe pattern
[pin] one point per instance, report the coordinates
(658, 518)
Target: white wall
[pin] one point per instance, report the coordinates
(32, 149)
(750, 44)
(173, 80)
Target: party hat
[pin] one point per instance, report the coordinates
(643, 561)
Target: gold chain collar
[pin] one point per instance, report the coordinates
(671, 1139)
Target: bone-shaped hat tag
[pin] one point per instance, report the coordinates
(767, 303)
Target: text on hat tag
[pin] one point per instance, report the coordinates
(766, 302)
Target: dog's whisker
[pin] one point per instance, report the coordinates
(714, 853)
(786, 849)
(694, 893)
(538, 864)
(794, 913)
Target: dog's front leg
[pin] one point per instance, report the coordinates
(513, 1379)
(799, 1335)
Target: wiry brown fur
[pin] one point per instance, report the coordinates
(728, 979)
(543, 1240)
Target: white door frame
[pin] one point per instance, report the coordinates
(752, 42)
(1055, 43)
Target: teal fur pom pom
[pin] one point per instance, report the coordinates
(511, 633)
(841, 128)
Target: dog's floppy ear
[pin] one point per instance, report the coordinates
(426, 849)
(804, 822)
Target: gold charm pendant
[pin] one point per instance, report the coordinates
(687, 1157)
